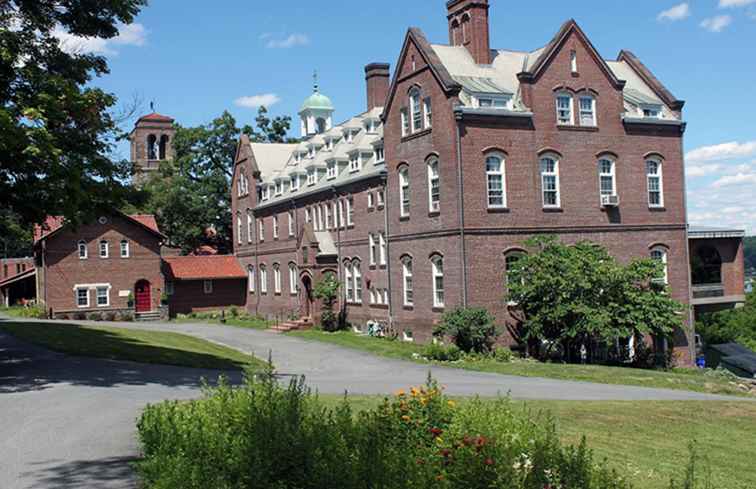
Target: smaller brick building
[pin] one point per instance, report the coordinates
(17, 281)
(204, 283)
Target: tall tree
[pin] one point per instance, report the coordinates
(56, 131)
(192, 193)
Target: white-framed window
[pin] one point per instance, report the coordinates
(437, 270)
(372, 246)
(328, 216)
(404, 191)
(409, 299)
(564, 109)
(291, 223)
(275, 227)
(427, 112)
(251, 278)
(265, 192)
(293, 279)
(276, 278)
(249, 226)
(550, 181)
(348, 282)
(652, 111)
(659, 253)
(320, 217)
(82, 297)
(335, 210)
(385, 296)
(491, 102)
(382, 249)
(261, 229)
(311, 176)
(573, 62)
(125, 251)
(104, 249)
(348, 136)
(510, 262)
(416, 110)
(587, 110)
(279, 187)
(82, 250)
(371, 200)
(655, 183)
(495, 181)
(379, 155)
(381, 198)
(103, 296)
(607, 177)
(170, 288)
(263, 279)
(331, 170)
(308, 216)
(342, 221)
(354, 162)
(434, 186)
(350, 210)
(238, 228)
(357, 272)
(207, 286)
(372, 295)
(294, 183)
(405, 122)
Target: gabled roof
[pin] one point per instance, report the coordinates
(673, 102)
(213, 267)
(155, 117)
(53, 224)
(270, 157)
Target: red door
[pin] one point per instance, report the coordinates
(142, 297)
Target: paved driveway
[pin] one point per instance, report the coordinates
(70, 422)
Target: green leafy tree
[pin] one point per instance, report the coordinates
(57, 131)
(579, 295)
(472, 329)
(734, 325)
(749, 248)
(15, 236)
(327, 291)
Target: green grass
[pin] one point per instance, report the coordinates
(22, 312)
(142, 346)
(679, 379)
(239, 322)
(649, 439)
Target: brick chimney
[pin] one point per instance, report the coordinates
(377, 81)
(468, 27)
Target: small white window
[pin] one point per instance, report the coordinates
(103, 297)
(308, 217)
(434, 186)
(404, 191)
(294, 183)
(427, 112)
(372, 247)
(348, 282)
(417, 111)
(207, 286)
(407, 280)
(382, 248)
(328, 216)
(405, 122)
(82, 250)
(371, 200)
(381, 198)
(331, 170)
(238, 229)
(249, 226)
(354, 162)
(293, 279)
(320, 226)
(350, 211)
(357, 282)
(437, 268)
(311, 176)
(652, 111)
(379, 155)
(660, 254)
(655, 183)
(251, 278)
(348, 136)
(385, 296)
(104, 249)
(587, 111)
(277, 278)
(607, 177)
(550, 182)
(573, 61)
(275, 227)
(342, 221)
(263, 279)
(291, 223)
(261, 229)
(335, 210)
(124, 249)
(82, 297)
(496, 187)
(279, 187)
(564, 109)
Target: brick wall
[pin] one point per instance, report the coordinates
(189, 296)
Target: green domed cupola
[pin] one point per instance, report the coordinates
(316, 112)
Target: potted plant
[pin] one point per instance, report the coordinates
(164, 299)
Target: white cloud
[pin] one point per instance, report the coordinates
(255, 101)
(678, 12)
(128, 35)
(288, 42)
(722, 151)
(702, 170)
(716, 24)
(737, 179)
(735, 3)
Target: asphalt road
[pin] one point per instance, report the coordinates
(68, 422)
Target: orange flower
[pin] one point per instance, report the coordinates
(405, 418)
(400, 393)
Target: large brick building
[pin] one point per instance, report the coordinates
(419, 203)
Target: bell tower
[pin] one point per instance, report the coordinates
(316, 114)
(151, 143)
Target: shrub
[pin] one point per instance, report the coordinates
(263, 435)
(327, 292)
(502, 354)
(442, 353)
(94, 316)
(36, 312)
(234, 311)
(471, 329)
(110, 316)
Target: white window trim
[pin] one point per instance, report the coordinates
(293, 279)
(594, 121)
(434, 206)
(275, 227)
(348, 283)
(573, 62)
(79, 246)
(107, 296)
(331, 170)
(276, 279)
(404, 188)
(249, 226)
(349, 212)
(427, 113)
(436, 273)
(107, 248)
(664, 259)
(261, 229)
(372, 248)
(239, 237)
(404, 113)
(76, 296)
(416, 107)
(555, 173)
(572, 108)
(263, 279)
(382, 249)
(613, 174)
(251, 278)
(407, 274)
(357, 275)
(127, 249)
(502, 172)
(660, 176)
(291, 223)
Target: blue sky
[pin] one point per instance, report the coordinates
(196, 60)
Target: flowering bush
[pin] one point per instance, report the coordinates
(262, 435)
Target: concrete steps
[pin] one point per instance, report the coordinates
(147, 316)
(298, 325)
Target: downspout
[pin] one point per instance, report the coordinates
(296, 252)
(257, 267)
(335, 199)
(461, 206)
(384, 182)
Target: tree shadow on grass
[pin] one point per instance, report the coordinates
(25, 367)
(112, 472)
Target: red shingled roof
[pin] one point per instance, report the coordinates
(155, 117)
(53, 223)
(204, 267)
(147, 220)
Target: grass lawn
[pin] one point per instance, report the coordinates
(134, 345)
(250, 323)
(649, 439)
(681, 379)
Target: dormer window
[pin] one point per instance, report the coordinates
(331, 170)
(493, 102)
(311, 176)
(379, 155)
(354, 162)
(329, 144)
(348, 136)
(369, 127)
(564, 109)
(652, 111)
(279, 187)
(311, 152)
(297, 157)
(294, 183)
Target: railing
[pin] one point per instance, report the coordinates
(705, 291)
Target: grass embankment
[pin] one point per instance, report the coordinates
(143, 346)
(679, 379)
(215, 318)
(648, 440)
(23, 312)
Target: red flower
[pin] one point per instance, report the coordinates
(436, 432)
(489, 461)
(445, 452)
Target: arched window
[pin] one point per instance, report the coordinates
(456, 41)
(152, 150)
(404, 191)
(437, 271)
(660, 253)
(263, 279)
(293, 279)
(104, 249)
(550, 181)
(707, 266)
(357, 272)
(249, 226)
(82, 250)
(564, 109)
(251, 278)
(409, 299)
(607, 177)
(495, 181)
(276, 278)
(466, 28)
(587, 110)
(434, 186)
(510, 263)
(238, 228)
(416, 109)
(348, 282)
(321, 123)
(163, 148)
(655, 183)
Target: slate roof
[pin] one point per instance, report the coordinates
(212, 267)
